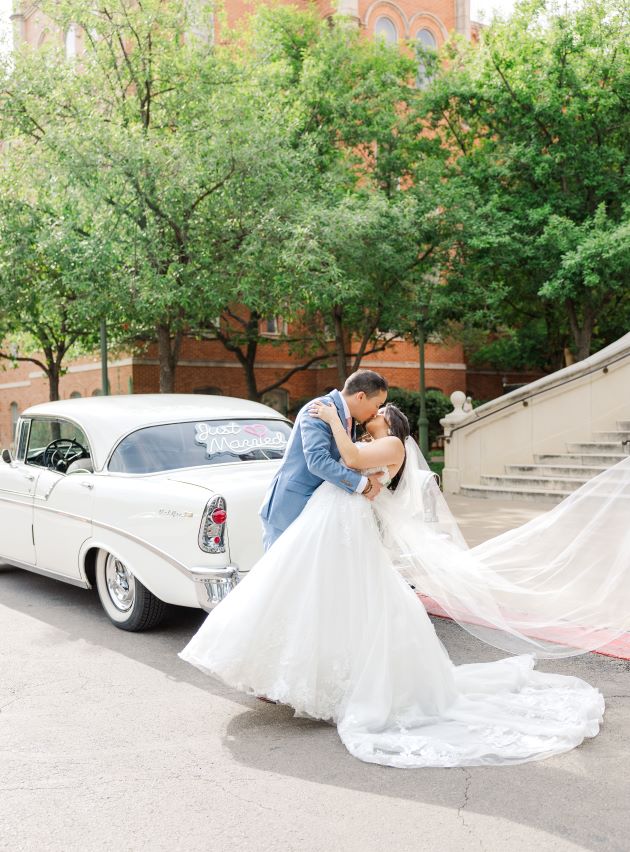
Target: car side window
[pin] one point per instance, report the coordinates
(56, 444)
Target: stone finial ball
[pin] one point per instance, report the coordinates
(458, 398)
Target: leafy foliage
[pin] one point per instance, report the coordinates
(438, 405)
(538, 117)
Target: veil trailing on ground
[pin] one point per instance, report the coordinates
(557, 586)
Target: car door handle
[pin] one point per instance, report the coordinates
(29, 476)
(89, 485)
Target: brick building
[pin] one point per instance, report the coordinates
(205, 366)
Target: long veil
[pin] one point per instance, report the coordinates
(557, 586)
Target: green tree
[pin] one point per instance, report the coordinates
(191, 148)
(537, 117)
(151, 125)
(53, 284)
(375, 233)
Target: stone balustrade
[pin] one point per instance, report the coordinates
(542, 417)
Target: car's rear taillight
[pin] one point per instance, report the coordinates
(213, 523)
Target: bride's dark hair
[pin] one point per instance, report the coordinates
(399, 426)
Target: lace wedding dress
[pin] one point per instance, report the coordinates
(326, 624)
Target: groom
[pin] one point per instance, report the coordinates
(312, 455)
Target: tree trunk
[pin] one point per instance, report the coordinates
(168, 354)
(250, 379)
(581, 330)
(53, 382)
(583, 340)
(249, 359)
(368, 334)
(52, 370)
(340, 346)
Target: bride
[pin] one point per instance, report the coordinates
(328, 622)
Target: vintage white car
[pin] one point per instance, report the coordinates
(151, 498)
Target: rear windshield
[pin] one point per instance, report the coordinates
(179, 445)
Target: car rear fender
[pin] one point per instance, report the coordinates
(162, 574)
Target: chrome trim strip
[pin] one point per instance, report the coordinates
(201, 574)
(191, 574)
(125, 534)
(73, 581)
(156, 550)
(25, 494)
(25, 424)
(64, 514)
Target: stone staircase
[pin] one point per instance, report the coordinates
(555, 475)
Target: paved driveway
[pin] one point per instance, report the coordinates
(108, 741)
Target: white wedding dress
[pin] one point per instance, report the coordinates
(326, 624)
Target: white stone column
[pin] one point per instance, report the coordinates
(451, 474)
(19, 26)
(349, 9)
(462, 17)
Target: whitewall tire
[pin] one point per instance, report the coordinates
(129, 604)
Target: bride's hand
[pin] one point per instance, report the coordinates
(325, 412)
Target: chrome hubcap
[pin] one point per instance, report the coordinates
(120, 584)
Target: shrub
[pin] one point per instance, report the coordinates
(438, 405)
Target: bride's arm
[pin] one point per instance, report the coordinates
(379, 453)
(345, 444)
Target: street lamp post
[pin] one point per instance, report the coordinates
(423, 421)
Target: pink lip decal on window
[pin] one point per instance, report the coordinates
(256, 429)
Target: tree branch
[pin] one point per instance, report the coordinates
(8, 357)
(297, 369)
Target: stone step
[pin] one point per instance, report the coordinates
(554, 470)
(575, 459)
(596, 447)
(492, 492)
(617, 437)
(538, 483)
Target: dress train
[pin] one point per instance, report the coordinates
(325, 624)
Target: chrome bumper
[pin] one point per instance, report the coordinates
(213, 584)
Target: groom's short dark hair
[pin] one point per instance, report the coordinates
(367, 381)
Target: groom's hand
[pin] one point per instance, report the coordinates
(373, 488)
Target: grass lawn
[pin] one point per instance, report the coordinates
(436, 462)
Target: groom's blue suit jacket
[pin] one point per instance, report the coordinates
(310, 458)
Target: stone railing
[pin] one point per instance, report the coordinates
(541, 417)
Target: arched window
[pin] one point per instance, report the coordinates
(71, 41)
(15, 414)
(385, 29)
(97, 392)
(426, 41)
(75, 395)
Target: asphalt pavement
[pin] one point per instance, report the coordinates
(109, 742)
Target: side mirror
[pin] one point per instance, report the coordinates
(6, 456)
